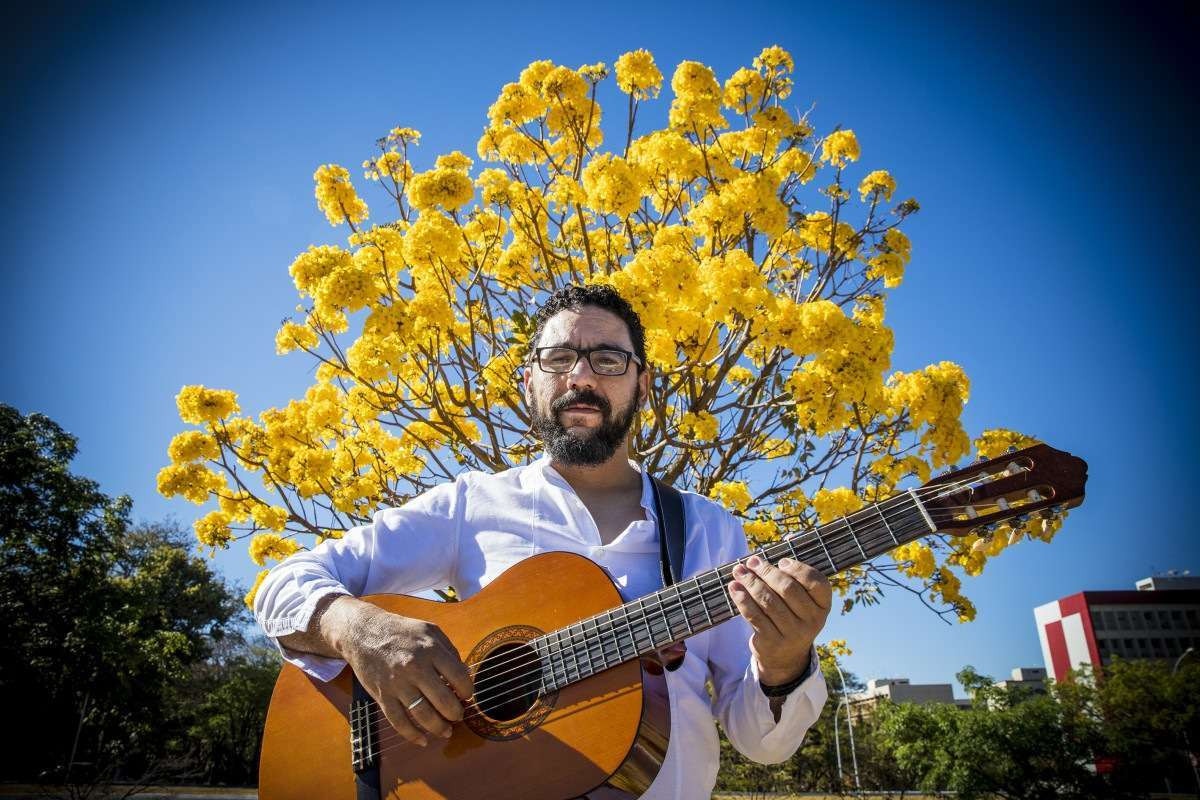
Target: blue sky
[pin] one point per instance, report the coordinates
(160, 165)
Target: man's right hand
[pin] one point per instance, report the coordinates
(408, 665)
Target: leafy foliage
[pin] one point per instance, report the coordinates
(105, 619)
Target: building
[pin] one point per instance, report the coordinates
(1028, 679)
(1171, 580)
(900, 690)
(1161, 619)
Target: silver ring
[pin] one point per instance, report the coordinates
(415, 703)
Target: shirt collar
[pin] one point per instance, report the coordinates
(550, 475)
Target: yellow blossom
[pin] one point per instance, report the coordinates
(336, 195)
(448, 188)
(840, 147)
(733, 494)
(878, 181)
(271, 546)
(638, 75)
(198, 404)
(212, 530)
(193, 446)
(295, 337)
(831, 504)
(271, 517)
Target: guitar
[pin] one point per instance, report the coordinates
(570, 696)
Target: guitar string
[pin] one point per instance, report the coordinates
(390, 733)
(654, 629)
(844, 545)
(526, 680)
(390, 739)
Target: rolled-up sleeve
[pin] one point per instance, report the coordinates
(403, 550)
(738, 701)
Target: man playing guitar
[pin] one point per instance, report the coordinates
(586, 496)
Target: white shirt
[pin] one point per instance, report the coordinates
(467, 532)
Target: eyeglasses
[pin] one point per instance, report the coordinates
(603, 361)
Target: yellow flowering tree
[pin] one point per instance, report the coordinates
(759, 259)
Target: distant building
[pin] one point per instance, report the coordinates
(1169, 581)
(1160, 620)
(900, 690)
(1027, 681)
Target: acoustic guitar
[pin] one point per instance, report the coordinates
(570, 695)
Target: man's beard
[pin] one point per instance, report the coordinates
(592, 447)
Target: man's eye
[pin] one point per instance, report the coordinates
(558, 360)
(608, 360)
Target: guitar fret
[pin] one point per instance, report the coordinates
(854, 536)
(586, 641)
(628, 628)
(886, 526)
(603, 656)
(684, 608)
(574, 657)
(703, 602)
(832, 565)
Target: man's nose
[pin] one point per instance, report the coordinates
(581, 374)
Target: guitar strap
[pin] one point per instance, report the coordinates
(668, 505)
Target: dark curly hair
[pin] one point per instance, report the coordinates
(574, 297)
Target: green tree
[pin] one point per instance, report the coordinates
(104, 618)
(226, 706)
(1151, 718)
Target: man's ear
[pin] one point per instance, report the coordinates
(643, 386)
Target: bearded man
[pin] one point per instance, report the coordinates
(585, 381)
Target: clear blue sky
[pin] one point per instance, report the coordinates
(159, 167)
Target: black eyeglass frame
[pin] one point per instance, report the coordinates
(587, 351)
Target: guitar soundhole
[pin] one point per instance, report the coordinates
(508, 681)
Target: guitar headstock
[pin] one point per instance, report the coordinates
(1017, 485)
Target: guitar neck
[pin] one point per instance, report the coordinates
(646, 625)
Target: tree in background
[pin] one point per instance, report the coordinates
(1151, 723)
(758, 257)
(105, 620)
(222, 710)
(1123, 733)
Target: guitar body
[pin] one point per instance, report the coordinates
(603, 737)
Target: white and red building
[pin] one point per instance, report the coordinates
(1161, 620)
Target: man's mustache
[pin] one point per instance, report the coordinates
(580, 398)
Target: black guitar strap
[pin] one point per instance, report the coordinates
(668, 505)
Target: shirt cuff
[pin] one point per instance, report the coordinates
(797, 704)
(793, 684)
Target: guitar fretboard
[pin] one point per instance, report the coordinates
(648, 624)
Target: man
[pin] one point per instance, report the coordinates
(584, 383)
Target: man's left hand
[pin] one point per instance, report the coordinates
(786, 605)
